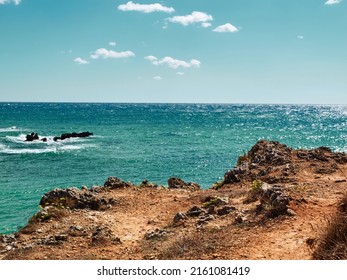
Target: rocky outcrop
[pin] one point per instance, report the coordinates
(116, 183)
(273, 162)
(177, 183)
(73, 135)
(31, 137)
(34, 136)
(74, 198)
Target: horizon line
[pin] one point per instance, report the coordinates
(170, 103)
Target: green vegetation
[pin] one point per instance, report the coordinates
(255, 190)
(218, 185)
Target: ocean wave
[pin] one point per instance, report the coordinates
(48, 149)
(9, 129)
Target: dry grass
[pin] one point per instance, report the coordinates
(333, 245)
(188, 247)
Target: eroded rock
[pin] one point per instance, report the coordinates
(177, 183)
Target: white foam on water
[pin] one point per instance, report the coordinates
(49, 149)
(17, 139)
(9, 129)
(20, 139)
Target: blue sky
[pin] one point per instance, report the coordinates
(220, 51)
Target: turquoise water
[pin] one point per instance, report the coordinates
(142, 141)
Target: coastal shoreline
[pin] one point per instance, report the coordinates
(275, 204)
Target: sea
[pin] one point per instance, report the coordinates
(136, 142)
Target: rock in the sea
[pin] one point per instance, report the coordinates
(73, 135)
(31, 137)
(177, 183)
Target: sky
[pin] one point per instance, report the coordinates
(183, 51)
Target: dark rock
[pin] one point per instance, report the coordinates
(195, 211)
(204, 219)
(179, 217)
(274, 201)
(72, 135)
(75, 135)
(235, 175)
(44, 139)
(177, 183)
(116, 183)
(73, 198)
(147, 184)
(31, 137)
(103, 235)
(61, 237)
(225, 210)
(239, 219)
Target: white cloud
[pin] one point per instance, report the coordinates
(173, 63)
(300, 37)
(332, 2)
(151, 58)
(180, 73)
(194, 17)
(226, 28)
(145, 8)
(17, 2)
(157, 78)
(79, 60)
(104, 53)
(206, 24)
(112, 44)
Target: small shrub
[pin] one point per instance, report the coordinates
(47, 214)
(255, 190)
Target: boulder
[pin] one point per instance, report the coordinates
(195, 211)
(179, 217)
(177, 183)
(273, 201)
(32, 137)
(116, 183)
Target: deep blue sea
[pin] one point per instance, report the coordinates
(142, 141)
